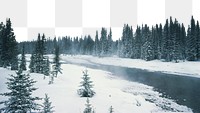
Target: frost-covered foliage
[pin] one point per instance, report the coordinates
(20, 99)
(47, 107)
(88, 108)
(86, 86)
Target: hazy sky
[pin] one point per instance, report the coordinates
(82, 17)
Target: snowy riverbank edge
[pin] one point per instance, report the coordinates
(182, 68)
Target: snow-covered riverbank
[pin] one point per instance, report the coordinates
(182, 68)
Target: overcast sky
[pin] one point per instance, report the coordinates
(83, 17)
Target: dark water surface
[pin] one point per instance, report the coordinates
(184, 90)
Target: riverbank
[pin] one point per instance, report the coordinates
(185, 68)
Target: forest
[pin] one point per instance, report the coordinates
(168, 42)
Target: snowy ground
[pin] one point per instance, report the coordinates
(182, 68)
(124, 96)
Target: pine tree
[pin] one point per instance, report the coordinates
(147, 49)
(56, 62)
(138, 43)
(9, 50)
(110, 41)
(165, 41)
(198, 41)
(96, 46)
(86, 86)
(88, 108)
(2, 45)
(111, 109)
(20, 97)
(47, 107)
(37, 63)
(46, 67)
(191, 42)
(103, 42)
(32, 63)
(23, 60)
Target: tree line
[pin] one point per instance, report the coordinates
(168, 42)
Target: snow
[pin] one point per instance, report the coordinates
(124, 96)
(182, 68)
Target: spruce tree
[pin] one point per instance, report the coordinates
(47, 107)
(97, 48)
(23, 59)
(20, 97)
(32, 63)
(9, 50)
(111, 109)
(191, 42)
(88, 108)
(46, 67)
(110, 41)
(86, 86)
(56, 62)
(103, 42)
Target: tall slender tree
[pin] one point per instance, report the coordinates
(23, 60)
(56, 62)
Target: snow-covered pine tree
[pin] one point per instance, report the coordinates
(23, 60)
(111, 109)
(86, 86)
(147, 50)
(96, 45)
(32, 63)
(110, 42)
(191, 42)
(20, 99)
(47, 107)
(103, 42)
(88, 108)
(56, 62)
(8, 46)
(138, 43)
(46, 67)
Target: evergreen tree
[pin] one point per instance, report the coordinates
(37, 63)
(165, 41)
(97, 48)
(56, 62)
(127, 38)
(111, 109)
(198, 41)
(23, 60)
(147, 49)
(103, 42)
(2, 46)
(191, 42)
(86, 86)
(20, 97)
(88, 108)
(47, 107)
(46, 67)
(32, 63)
(9, 50)
(138, 43)
(110, 41)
